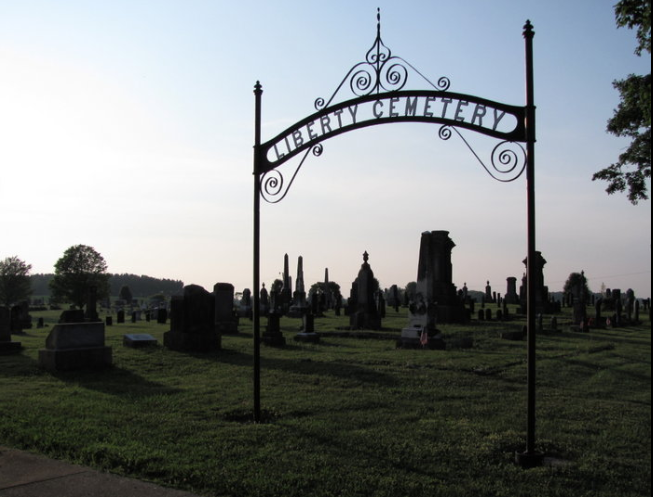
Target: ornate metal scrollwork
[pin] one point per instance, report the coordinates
(380, 72)
(508, 159)
(273, 187)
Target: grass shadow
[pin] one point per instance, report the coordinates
(115, 381)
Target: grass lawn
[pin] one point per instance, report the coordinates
(347, 417)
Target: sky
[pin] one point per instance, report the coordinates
(128, 126)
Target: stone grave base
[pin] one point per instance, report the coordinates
(307, 337)
(10, 347)
(274, 339)
(192, 342)
(411, 339)
(73, 359)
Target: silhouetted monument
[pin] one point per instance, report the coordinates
(542, 304)
(363, 311)
(192, 322)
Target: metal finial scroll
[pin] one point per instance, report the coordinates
(380, 72)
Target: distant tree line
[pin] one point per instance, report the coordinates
(140, 286)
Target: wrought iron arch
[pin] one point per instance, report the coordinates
(378, 85)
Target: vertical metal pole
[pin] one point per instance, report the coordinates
(258, 91)
(530, 458)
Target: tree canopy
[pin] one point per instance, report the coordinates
(80, 268)
(14, 281)
(632, 118)
(576, 284)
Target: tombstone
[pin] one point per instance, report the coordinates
(120, 316)
(40, 324)
(90, 314)
(637, 311)
(6, 345)
(108, 321)
(499, 315)
(618, 306)
(192, 322)
(630, 304)
(598, 304)
(273, 335)
(540, 323)
(225, 320)
(299, 305)
(138, 340)
(488, 293)
(162, 316)
(554, 323)
(363, 311)
(380, 303)
(488, 314)
(245, 309)
(75, 346)
(307, 333)
(577, 293)
(133, 317)
(395, 297)
(542, 304)
(264, 301)
(328, 298)
(435, 280)
(274, 325)
(315, 305)
(338, 305)
(511, 296)
(286, 291)
(481, 315)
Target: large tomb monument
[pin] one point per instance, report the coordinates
(192, 322)
(299, 307)
(542, 304)
(73, 346)
(436, 299)
(363, 310)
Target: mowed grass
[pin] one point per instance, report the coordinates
(347, 417)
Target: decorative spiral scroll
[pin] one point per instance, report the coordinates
(317, 150)
(380, 72)
(395, 77)
(508, 158)
(272, 182)
(363, 81)
(505, 160)
(443, 84)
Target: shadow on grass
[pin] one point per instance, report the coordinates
(306, 366)
(115, 381)
(17, 365)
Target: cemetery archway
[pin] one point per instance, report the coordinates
(378, 86)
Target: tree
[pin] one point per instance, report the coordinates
(126, 294)
(576, 284)
(14, 281)
(80, 268)
(632, 118)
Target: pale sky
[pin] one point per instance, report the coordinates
(129, 125)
